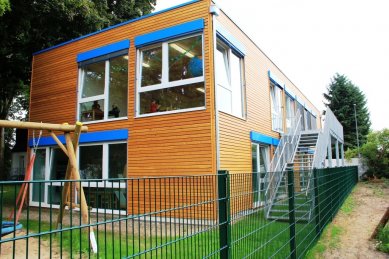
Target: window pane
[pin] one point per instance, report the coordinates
(59, 163)
(38, 189)
(276, 108)
(173, 98)
(236, 85)
(117, 102)
(117, 160)
(151, 66)
(224, 99)
(254, 157)
(91, 111)
(185, 58)
(221, 67)
(94, 79)
(91, 162)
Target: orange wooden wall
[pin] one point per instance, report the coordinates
(174, 144)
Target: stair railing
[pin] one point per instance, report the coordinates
(283, 154)
(331, 127)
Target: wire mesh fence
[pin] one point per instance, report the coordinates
(207, 216)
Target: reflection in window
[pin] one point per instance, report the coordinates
(184, 61)
(104, 89)
(151, 66)
(173, 98)
(94, 79)
(91, 162)
(118, 87)
(172, 76)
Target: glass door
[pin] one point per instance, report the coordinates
(259, 169)
(38, 189)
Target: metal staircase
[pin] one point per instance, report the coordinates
(300, 151)
(302, 165)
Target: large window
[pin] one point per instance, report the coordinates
(229, 78)
(103, 88)
(96, 162)
(276, 105)
(171, 76)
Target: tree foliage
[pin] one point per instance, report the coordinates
(4, 6)
(341, 97)
(375, 153)
(27, 26)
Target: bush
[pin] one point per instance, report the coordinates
(375, 153)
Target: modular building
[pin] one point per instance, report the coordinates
(183, 91)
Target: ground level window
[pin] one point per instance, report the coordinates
(99, 164)
(260, 163)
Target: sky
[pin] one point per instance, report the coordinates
(310, 41)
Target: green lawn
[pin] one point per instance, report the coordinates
(253, 236)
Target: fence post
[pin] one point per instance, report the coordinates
(317, 208)
(292, 215)
(223, 184)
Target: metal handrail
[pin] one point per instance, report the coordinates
(331, 125)
(284, 152)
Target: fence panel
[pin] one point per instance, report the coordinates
(206, 216)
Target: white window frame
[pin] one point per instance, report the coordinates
(105, 96)
(258, 165)
(227, 59)
(276, 107)
(165, 83)
(105, 167)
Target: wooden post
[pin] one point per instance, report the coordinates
(68, 175)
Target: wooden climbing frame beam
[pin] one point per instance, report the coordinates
(40, 126)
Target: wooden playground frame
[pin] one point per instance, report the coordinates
(72, 172)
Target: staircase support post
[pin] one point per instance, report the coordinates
(292, 214)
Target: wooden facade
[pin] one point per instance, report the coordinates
(196, 142)
(234, 132)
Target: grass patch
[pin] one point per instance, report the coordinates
(253, 236)
(383, 239)
(330, 238)
(348, 205)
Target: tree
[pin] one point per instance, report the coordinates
(4, 6)
(341, 97)
(375, 153)
(27, 26)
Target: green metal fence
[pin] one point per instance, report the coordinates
(205, 216)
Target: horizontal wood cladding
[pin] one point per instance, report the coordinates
(174, 197)
(172, 144)
(234, 133)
